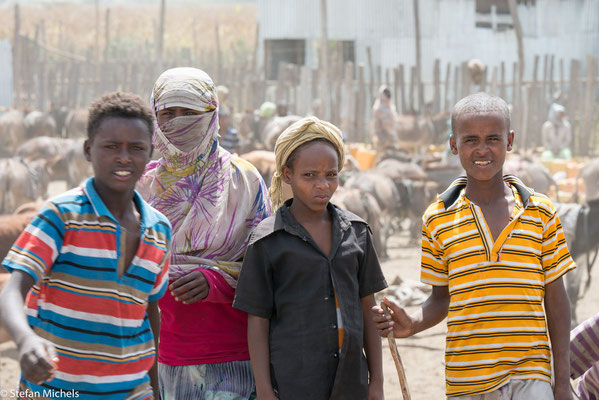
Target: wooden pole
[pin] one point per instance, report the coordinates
(402, 89)
(16, 58)
(219, 55)
(518, 30)
(456, 81)
(437, 86)
(502, 84)
(589, 105)
(446, 105)
(494, 81)
(348, 101)
(370, 74)
(573, 104)
(360, 105)
(418, 73)
(97, 33)
(107, 35)
(401, 373)
(413, 78)
(324, 57)
(160, 38)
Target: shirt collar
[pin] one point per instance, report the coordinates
(148, 218)
(454, 195)
(286, 221)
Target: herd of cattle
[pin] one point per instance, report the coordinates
(38, 148)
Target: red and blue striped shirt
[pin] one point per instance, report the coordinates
(95, 317)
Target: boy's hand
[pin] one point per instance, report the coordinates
(38, 359)
(190, 288)
(399, 321)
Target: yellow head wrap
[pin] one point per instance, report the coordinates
(303, 131)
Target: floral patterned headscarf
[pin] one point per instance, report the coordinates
(211, 198)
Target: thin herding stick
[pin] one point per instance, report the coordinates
(401, 373)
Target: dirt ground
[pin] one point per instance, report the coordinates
(422, 355)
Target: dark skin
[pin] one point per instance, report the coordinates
(313, 178)
(118, 153)
(481, 140)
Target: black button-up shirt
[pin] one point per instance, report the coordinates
(287, 279)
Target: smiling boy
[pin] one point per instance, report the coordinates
(495, 253)
(92, 265)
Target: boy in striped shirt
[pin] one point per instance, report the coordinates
(495, 253)
(92, 266)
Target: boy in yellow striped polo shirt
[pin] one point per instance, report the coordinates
(495, 253)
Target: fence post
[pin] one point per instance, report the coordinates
(589, 105)
(437, 86)
(573, 105)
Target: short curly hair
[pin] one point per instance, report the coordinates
(118, 104)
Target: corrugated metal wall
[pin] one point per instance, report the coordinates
(569, 29)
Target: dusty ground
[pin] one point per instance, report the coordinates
(422, 354)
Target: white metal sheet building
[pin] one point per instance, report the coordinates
(451, 30)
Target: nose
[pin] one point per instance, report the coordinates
(124, 156)
(322, 183)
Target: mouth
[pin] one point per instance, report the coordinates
(322, 197)
(482, 163)
(123, 174)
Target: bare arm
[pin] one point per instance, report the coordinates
(433, 311)
(258, 338)
(557, 307)
(373, 350)
(154, 317)
(37, 356)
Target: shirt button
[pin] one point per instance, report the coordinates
(334, 326)
(335, 355)
(326, 298)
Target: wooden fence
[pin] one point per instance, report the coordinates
(46, 77)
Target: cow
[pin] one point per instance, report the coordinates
(365, 206)
(38, 123)
(64, 156)
(75, 124)
(20, 182)
(12, 132)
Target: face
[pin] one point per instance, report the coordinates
(163, 116)
(481, 141)
(313, 176)
(119, 153)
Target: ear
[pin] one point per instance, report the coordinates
(286, 174)
(510, 140)
(86, 150)
(453, 145)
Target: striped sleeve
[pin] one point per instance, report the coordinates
(433, 267)
(555, 258)
(36, 249)
(162, 279)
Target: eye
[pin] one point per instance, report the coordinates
(110, 146)
(309, 174)
(332, 174)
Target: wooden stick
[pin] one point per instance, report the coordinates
(401, 373)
